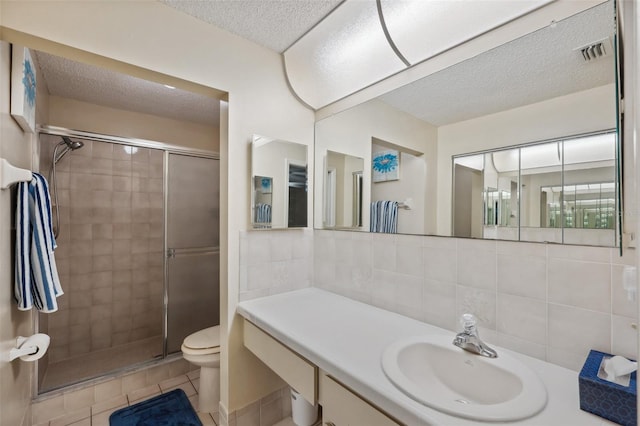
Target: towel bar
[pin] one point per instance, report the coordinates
(406, 204)
(10, 174)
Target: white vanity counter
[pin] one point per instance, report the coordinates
(346, 339)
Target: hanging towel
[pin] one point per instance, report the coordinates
(36, 275)
(384, 217)
(263, 213)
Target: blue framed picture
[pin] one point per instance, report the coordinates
(385, 166)
(23, 88)
(265, 184)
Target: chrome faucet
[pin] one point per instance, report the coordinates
(469, 339)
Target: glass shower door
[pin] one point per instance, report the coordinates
(193, 256)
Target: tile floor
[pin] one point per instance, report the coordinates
(98, 414)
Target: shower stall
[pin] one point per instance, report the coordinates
(137, 226)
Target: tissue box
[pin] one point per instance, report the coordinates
(606, 399)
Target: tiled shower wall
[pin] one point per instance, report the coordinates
(110, 246)
(552, 302)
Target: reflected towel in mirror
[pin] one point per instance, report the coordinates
(384, 217)
(263, 213)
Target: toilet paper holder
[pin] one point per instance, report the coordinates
(21, 350)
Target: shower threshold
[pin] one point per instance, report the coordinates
(88, 366)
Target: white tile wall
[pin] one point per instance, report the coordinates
(275, 261)
(552, 302)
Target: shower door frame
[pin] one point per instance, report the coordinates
(167, 149)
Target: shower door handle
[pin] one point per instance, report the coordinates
(173, 252)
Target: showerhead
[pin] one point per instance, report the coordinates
(72, 144)
(69, 145)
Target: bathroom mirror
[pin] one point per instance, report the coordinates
(342, 188)
(556, 83)
(279, 184)
(559, 191)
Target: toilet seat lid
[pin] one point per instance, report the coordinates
(203, 339)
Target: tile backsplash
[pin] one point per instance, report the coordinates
(552, 302)
(275, 261)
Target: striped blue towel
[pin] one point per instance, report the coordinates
(263, 213)
(36, 282)
(384, 217)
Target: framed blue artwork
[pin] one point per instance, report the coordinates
(265, 184)
(385, 166)
(23, 88)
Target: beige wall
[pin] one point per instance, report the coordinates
(15, 147)
(259, 102)
(583, 112)
(351, 132)
(77, 115)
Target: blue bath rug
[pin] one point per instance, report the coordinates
(170, 409)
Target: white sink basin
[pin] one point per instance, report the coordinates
(436, 373)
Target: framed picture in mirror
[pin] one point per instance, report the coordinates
(385, 166)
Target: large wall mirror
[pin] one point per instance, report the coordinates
(561, 191)
(278, 184)
(470, 142)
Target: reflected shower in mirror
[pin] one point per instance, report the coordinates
(279, 184)
(539, 87)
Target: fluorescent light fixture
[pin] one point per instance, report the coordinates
(421, 29)
(538, 156)
(475, 162)
(344, 53)
(598, 148)
(506, 161)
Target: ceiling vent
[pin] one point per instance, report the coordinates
(596, 50)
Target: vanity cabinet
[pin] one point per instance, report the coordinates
(299, 373)
(340, 406)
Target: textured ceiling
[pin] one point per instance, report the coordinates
(536, 67)
(88, 83)
(539, 66)
(275, 24)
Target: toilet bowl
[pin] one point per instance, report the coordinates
(202, 348)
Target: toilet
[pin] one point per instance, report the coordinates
(202, 348)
